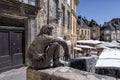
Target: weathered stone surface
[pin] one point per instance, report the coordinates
(84, 63)
(63, 73)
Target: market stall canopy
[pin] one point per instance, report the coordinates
(89, 41)
(104, 47)
(115, 43)
(84, 46)
(109, 58)
(107, 44)
(77, 48)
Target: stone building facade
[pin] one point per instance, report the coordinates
(83, 30)
(64, 22)
(95, 30)
(49, 14)
(110, 31)
(61, 21)
(74, 4)
(116, 24)
(18, 27)
(107, 33)
(21, 21)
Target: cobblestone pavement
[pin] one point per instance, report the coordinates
(14, 74)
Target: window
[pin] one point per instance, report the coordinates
(20, 0)
(68, 1)
(116, 22)
(77, 32)
(31, 2)
(85, 32)
(68, 24)
(25, 1)
(107, 38)
(88, 32)
(82, 32)
(55, 7)
(94, 35)
(63, 16)
(107, 32)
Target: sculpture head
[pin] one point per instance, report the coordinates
(46, 29)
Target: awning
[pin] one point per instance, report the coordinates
(76, 48)
(107, 44)
(109, 58)
(89, 41)
(84, 46)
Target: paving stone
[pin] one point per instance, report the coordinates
(14, 74)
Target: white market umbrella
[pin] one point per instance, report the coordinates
(84, 46)
(89, 41)
(107, 44)
(110, 59)
(77, 48)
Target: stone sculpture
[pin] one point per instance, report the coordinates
(45, 48)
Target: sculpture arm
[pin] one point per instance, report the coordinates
(65, 47)
(51, 39)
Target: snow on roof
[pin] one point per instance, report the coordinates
(77, 48)
(109, 58)
(84, 46)
(89, 41)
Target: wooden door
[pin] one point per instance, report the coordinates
(11, 49)
(5, 55)
(17, 48)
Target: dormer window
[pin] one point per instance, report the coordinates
(116, 22)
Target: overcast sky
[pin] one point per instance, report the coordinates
(99, 10)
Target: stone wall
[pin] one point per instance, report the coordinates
(63, 73)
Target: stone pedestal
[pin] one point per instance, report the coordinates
(84, 63)
(63, 73)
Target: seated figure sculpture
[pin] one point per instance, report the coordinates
(45, 48)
